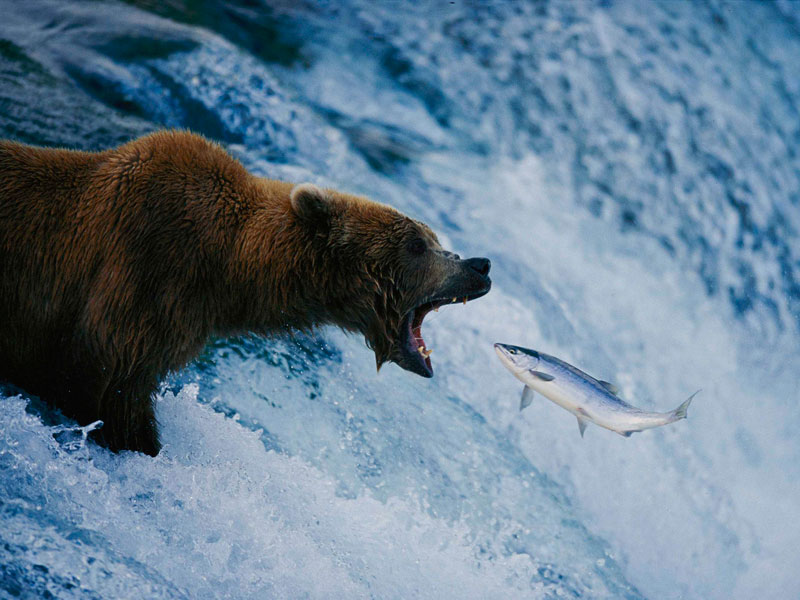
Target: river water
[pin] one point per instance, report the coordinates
(632, 171)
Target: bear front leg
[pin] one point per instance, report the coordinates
(129, 420)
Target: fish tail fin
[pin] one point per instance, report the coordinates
(680, 412)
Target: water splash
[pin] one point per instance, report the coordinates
(633, 177)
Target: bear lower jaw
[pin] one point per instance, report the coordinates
(411, 353)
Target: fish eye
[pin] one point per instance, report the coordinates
(512, 350)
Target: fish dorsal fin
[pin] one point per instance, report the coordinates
(610, 387)
(527, 397)
(542, 376)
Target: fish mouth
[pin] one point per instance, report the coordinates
(504, 355)
(415, 355)
(516, 357)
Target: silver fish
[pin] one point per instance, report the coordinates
(589, 399)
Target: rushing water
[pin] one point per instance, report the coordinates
(632, 170)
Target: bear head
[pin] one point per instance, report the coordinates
(384, 272)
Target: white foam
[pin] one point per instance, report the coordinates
(216, 515)
(391, 486)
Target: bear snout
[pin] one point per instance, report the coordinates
(472, 278)
(480, 264)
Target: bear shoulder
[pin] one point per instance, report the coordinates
(180, 169)
(176, 153)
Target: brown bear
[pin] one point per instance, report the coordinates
(117, 266)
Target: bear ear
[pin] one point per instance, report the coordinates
(311, 204)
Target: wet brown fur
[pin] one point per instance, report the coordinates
(117, 266)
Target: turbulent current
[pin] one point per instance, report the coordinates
(632, 171)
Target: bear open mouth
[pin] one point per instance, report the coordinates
(413, 346)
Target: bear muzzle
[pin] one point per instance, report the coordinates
(468, 280)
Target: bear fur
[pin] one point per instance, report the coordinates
(117, 266)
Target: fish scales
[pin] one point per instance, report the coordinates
(589, 399)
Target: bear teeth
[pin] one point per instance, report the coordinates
(424, 352)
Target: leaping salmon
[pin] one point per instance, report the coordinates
(589, 399)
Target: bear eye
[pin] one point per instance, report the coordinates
(417, 246)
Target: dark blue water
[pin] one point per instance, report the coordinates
(631, 169)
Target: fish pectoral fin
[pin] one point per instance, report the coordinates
(582, 420)
(581, 425)
(542, 376)
(527, 397)
(610, 387)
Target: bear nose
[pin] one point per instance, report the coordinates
(481, 265)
